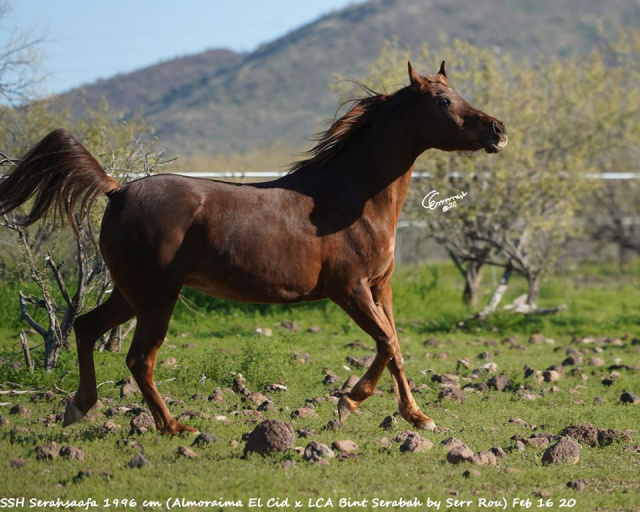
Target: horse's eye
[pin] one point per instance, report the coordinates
(444, 103)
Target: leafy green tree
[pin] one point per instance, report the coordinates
(519, 208)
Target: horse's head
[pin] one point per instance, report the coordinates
(449, 122)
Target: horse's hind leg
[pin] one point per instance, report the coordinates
(88, 328)
(151, 329)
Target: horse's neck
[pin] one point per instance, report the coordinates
(383, 164)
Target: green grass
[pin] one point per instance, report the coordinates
(603, 302)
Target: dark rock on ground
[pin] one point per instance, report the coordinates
(498, 452)
(139, 461)
(451, 394)
(44, 396)
(414, 442)
(17, 462)
(459, 453)
(471, 473)
(318, 452)
(20, 410)
(334, 425)
(270, 436)
(629, 398)
(47, 451)
(499, 382)
(142, 423)
(204, 440)
(389, 422)
(484, 458)
(345, 447)
(71, 452)
(566, 451)
(186, 452)
(577, 485)
(304, 412)
(583, 433)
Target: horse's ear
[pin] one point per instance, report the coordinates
(414, 78)
(443, 70)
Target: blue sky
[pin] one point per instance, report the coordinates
(85, 40)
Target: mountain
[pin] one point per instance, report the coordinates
(220, 101)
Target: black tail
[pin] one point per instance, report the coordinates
(59, 172)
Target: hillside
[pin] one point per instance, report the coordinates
(219, 101)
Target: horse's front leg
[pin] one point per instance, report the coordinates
(371, 310)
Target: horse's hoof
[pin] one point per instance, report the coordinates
(71, 415)
(345, 407)
(179, 428)
(426, 424)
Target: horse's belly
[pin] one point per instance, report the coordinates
(263, 280)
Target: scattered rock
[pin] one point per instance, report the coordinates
(573, 360)
(170, 362)
(499, 382)
(551, 375)
(584, 433)
(314, 329)
(566, 451)
(139, 461)
(414, 442)
(216, 396)
(460, 453)
(384, 443)
(204, 440)
(110, 427)
(609, 436)
(128, 387)
(451, 394)
(270, 436)
(521, 423)
(318, 452)
(330, 377)
(275, 388)
(577, 485)
(185, 452)
(17, 462)
(471, 473)
(595, 361)
(304, 412)
(71, 452)
(484, 458)
(4, 422)
(537, 442)
(345, 447)
(20, 410)
(83, 474)
(452, 442)
(44, 396)
(142, 423)
(629, 398)
(290, 326)
(47, 451)
(351, 381)
(498, 452)
(334, 425)
(301, 357)
(361, 362)
(446, 380)
(536, 339)
(389, 422)
(254, 397)
(249, 415)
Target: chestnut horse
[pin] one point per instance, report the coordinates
(325, 230)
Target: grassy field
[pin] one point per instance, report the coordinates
(204, 351)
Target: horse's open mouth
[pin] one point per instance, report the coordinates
(496, 147)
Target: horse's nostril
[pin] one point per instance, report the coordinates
(498, 128)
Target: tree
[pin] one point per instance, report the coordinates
(518, 210)
(19, 64)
